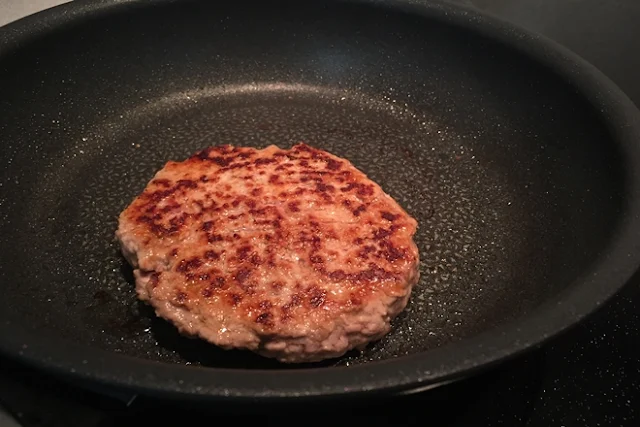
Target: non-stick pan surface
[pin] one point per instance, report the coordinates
(518, 161)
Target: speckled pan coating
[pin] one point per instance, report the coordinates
(521, 182)
(471, 219)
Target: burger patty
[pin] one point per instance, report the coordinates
(293, 254)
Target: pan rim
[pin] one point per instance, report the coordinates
(620, 259)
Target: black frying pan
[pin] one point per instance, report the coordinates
(519, 161)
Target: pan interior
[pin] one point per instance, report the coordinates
(513, 179)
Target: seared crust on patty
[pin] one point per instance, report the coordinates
(293, 254)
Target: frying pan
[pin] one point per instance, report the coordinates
(519, 161)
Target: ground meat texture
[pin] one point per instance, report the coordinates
(293, 254)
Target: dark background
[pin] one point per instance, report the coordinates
(587, 377)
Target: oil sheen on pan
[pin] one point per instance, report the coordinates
(292, 254)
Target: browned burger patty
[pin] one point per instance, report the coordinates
(293, 254)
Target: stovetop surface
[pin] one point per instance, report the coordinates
(589, 376)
